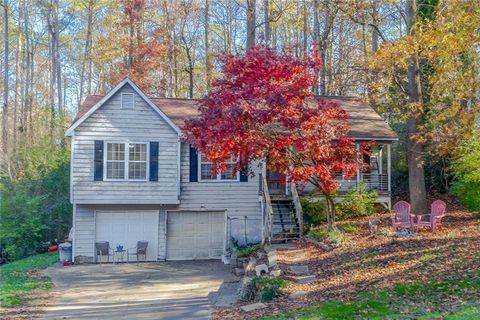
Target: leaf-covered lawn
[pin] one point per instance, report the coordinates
(429, 276)
(453, 299)
(21, 277)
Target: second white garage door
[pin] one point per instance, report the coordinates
(195, 235)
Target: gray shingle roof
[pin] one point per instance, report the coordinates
(365, 123)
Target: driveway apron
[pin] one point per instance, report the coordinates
(163, 290)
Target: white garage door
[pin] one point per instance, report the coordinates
(195, 235)
(126, 227)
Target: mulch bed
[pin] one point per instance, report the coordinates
(372, 262)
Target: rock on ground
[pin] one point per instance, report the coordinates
(253, 307)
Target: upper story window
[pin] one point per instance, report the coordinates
(137, 161)
(205, 171)
(128, 100)
(126, 161)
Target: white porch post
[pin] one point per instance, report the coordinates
(358, 171)
(380, 159)
(389, 167)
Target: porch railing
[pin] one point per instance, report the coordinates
(298, 207)
(375, 181)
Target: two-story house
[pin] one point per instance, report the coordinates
(134, 178)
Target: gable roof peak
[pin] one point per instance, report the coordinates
(120, 85)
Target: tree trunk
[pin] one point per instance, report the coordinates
(305, 27)
(266, 16)
(316, 38)
(251, 21)
(208, 63)
(19, 58)
(374, 47)
(53, 68)
(56, 55)
(25, 60)
(86, 53)
(330, 212)
(323, 70)
(190, 66)
(5, 83)
(416, 172)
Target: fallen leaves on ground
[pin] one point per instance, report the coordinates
(374, 262)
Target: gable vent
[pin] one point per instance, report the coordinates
(128, 100)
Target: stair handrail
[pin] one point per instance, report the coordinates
(268, 208)
(298, 207)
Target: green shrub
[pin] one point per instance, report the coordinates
(268, 288)
(335, 236)
(35, 208)
(247, 250)
(357, 203)
(466, 171)
(348, 227)
(314, 213)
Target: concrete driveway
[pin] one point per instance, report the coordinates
(163, 290)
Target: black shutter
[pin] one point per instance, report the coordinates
(153, 161)
(98, 161)
(193, 164)
(244, 175)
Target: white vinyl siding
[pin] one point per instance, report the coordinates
(239, 199)
(84, 233)
(112, 124)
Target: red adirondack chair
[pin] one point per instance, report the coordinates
(433, 219)
(403, 217)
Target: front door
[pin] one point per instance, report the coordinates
(276, 182)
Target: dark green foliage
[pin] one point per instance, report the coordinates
(347, 227)
(357, 203)
(247, 250)
(34, 207)
(314, 213)
(268, 288)
(466, 170)
(437, 174)
(426, 9)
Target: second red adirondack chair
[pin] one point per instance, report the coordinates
(433, 219)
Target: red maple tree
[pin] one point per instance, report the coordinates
(263, 108)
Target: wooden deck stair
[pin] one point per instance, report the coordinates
(285, 225)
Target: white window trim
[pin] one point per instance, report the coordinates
(126, 161)
(133, 99)
(219, 174)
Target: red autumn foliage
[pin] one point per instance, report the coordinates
(263, 108)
